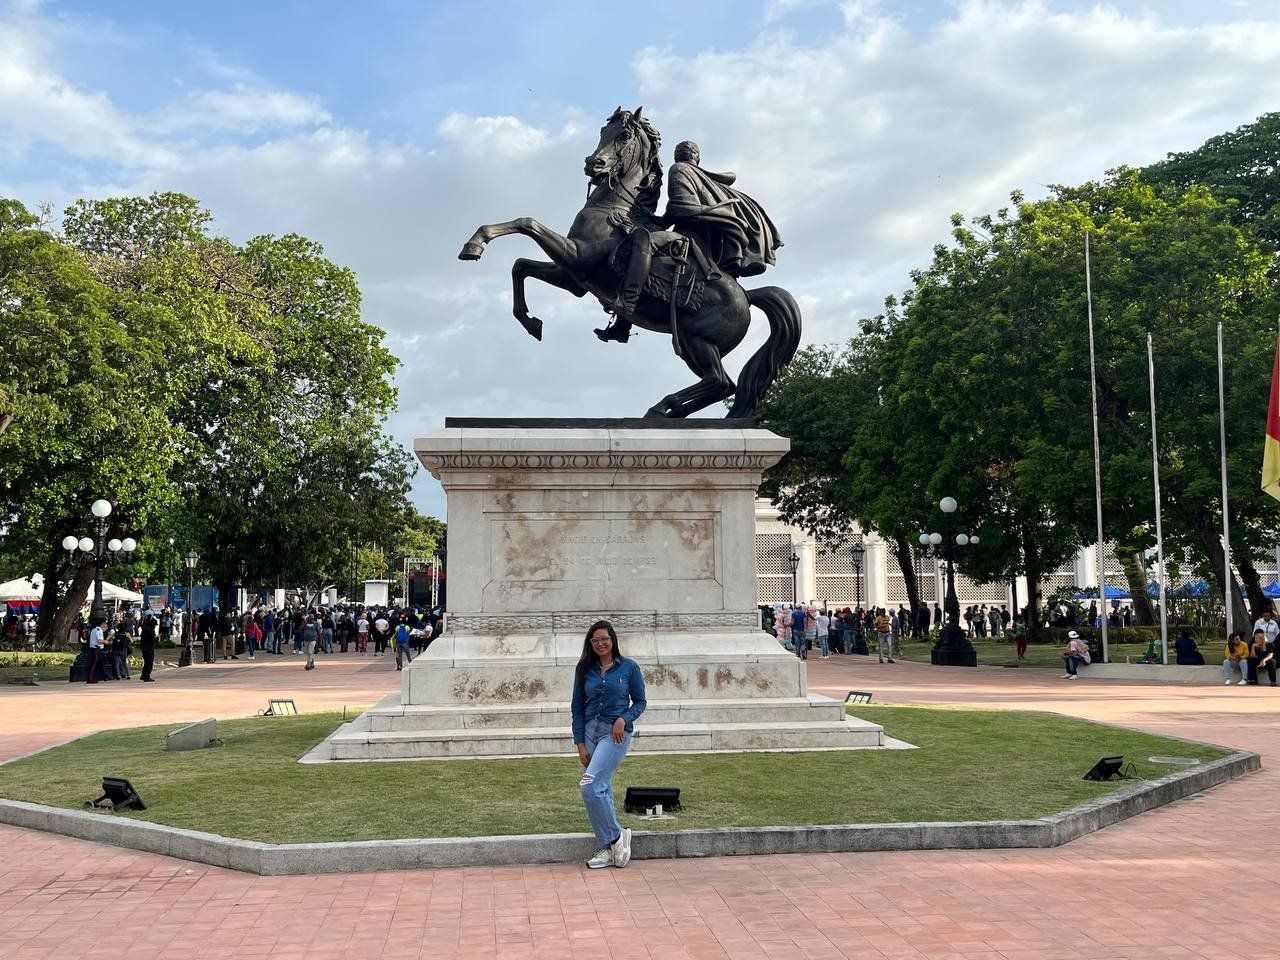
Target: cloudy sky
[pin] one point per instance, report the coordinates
(389, 130)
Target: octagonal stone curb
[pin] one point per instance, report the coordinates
(269, 859)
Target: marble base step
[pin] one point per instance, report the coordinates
(813, 723)
(398, 716)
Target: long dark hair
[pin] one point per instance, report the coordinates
(589, 657)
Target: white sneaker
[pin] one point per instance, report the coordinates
(1066, 676)
(621, 849)
(603, 858)
(1074, 676)
(1227, 681)
(1242, 682)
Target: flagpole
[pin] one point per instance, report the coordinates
(1097, 457)
(1227, 586)
(1155, 473)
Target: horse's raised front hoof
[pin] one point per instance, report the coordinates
(533, 326)
(656, 413)
(471, 251)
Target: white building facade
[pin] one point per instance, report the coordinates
(825, 571)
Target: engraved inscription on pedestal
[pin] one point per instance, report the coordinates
(605, 562)
(572, 549)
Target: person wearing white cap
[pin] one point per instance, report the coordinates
(1075, 656)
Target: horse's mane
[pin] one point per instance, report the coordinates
(650, 189)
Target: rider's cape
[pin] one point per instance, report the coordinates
(739, 238)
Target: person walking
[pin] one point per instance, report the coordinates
(1020, 639)
(97, 645)
(227, 630)
(403, 652)
(120, 651)
(270, 644)
(150, 630)
(798, 617)
(824, 633)
(381, 633)
(252, 637)
(362, 635)
(309, 636)
(884, 636)
(608, 697)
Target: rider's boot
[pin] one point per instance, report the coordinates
(619, 329)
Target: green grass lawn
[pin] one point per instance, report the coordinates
(971, 765)
(1001, 653)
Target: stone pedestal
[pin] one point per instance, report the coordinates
(554, 525)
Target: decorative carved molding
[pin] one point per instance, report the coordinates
(542, 623)
(597, 461)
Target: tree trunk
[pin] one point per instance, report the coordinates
(1253, 589)
(1135, 572)
(1203, 526)
(1032, 568)
(56, 618)
(906, 560)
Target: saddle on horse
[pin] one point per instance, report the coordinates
(667, 267)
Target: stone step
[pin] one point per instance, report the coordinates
(851, 733)
(783, 710)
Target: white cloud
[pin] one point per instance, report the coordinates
(244, 109)
(38, 106)
(507, 136)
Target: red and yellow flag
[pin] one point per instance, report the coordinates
(1271, 446)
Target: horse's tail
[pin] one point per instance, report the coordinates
(784, 336)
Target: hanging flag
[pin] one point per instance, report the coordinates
(1271, 446)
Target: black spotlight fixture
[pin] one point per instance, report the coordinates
(1105, 769)
(118, 794)
(639, 799)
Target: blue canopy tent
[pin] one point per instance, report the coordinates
(1113, 593)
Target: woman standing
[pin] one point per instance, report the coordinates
(608, 695)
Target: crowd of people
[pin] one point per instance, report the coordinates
(230, 634)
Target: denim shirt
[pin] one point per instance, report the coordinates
(619, 693)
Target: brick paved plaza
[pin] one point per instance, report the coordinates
(1189, 880)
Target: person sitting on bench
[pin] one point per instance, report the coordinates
(1262, 656)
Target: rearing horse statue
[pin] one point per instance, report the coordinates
(626, 175)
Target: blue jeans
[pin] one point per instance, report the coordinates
(597, 779)
(1074, 664)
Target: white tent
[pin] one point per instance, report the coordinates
(113, 594)
(20, 589)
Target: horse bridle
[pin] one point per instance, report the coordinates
(611, 178)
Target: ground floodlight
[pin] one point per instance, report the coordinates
(118, 794)
(639, 799)
(1105, 769)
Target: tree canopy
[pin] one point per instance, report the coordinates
(975, 383)
(228, 396)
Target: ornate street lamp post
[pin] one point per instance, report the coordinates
(795, 565)
(857, 553)
(100, 554)
(168, 576)
(953, 648)
(191, 560)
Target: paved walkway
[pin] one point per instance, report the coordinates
(1178, 882)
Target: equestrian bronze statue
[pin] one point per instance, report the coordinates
(676, 273)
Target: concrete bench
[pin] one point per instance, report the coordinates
(1152, 672)
(195, 736)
